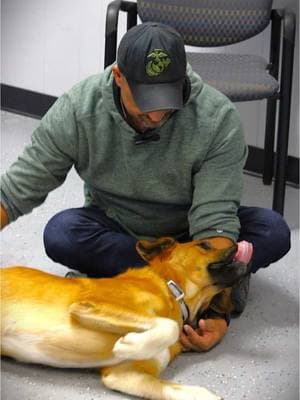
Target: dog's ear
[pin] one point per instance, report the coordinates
(148, 249)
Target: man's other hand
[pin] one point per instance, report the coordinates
(208, 334)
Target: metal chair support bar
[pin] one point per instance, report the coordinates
(111, 29)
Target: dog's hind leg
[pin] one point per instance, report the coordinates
(141, 378)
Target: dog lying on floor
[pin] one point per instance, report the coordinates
(128, 326)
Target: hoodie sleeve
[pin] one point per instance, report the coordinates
(218, 182)
(44, 164)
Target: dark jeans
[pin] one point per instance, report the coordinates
(87, 240)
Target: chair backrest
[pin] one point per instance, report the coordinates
(209, 22)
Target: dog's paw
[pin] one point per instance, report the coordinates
(133, 346)
(182, 392)
(150, 343)
(128, 347)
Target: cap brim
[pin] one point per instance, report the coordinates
(159, 96)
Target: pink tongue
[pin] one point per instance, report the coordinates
(244, 252)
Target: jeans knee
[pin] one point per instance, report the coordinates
(56, 236)
(273, 240)
(268, 232)
(280, 234)
(75, 238)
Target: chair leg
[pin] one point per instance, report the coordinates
(268, 168)
(281, 158)
(284, 113)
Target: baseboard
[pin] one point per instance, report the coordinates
(33, 104)
(255, 163)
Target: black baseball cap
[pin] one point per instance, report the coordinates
(152, 58)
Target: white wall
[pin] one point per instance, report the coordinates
(49, 45)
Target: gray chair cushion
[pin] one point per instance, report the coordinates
(239, 77)
(209, 22)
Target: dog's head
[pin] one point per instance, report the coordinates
(200, 269)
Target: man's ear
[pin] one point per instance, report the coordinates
(117, 75)
(148, 249)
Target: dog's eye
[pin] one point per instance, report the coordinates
(205, 245)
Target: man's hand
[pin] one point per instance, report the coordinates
(209, 333)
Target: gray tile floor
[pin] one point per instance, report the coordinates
(258, 359)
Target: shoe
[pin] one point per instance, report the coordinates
(75, 274)
(239, 295)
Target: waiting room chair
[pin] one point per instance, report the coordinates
(241, 77)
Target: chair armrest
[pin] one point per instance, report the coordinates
(111, 27)
(289, 27)
(282, 34)
(275, 43)
(287, 57)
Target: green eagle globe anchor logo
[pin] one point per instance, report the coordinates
(158, 62)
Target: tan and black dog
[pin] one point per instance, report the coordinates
(128, 326)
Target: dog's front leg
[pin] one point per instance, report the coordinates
(141, 378)
(144, 337)
(163, 333)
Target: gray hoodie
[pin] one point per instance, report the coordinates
(188, 181)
